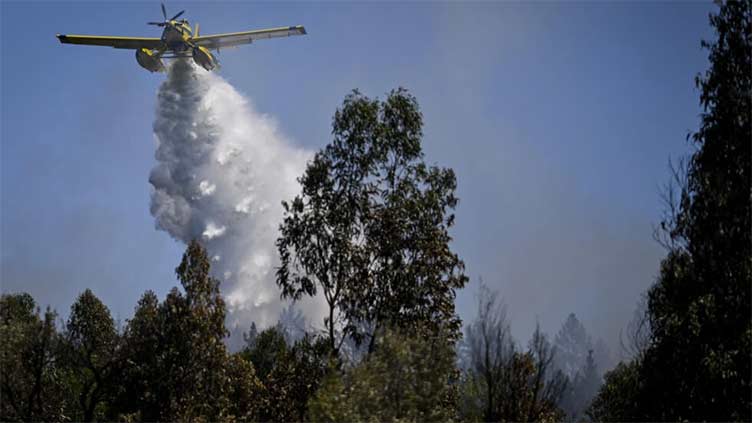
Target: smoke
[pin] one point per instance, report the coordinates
(222, 171)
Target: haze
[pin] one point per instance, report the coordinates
(558, 118)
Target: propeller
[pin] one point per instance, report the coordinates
(164, 14)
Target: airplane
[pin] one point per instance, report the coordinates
(179, 40)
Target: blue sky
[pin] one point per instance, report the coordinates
(558, 118)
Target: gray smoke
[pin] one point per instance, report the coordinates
(222, 171)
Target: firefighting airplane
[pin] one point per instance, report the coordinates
(178, 40)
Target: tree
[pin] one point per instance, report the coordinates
(292, 323)
(370, 230)
(290, 373)
(490, 347)
(638, 333)
(501, 382)
(584, 387)
(547, 383)
(576, 359)
(572, 346)
(409, 377)
(698, 363)
(618, 398)
(294, 379)
(193, 353)
(146, 388)
(31, 381)
(264, 350)
(178, 366)
(91, 354)
(245, 391)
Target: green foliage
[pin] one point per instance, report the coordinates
(145, 389)
(409, 377)
(193, 352)
(178, 367)
(32, 384)
(91, 356)
(370, 229)
(618, 398)
(264, 350)
(331, 403)
(245, 391)
(698, 364)
(290, 374)
(472, 404)
(295, 377)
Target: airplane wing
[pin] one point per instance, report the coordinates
(133, 43)
(246, 37)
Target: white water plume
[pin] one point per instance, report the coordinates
(223, 170)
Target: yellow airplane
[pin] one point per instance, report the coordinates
(178, 40)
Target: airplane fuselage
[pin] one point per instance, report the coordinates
(176, 40)
(177, 35)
